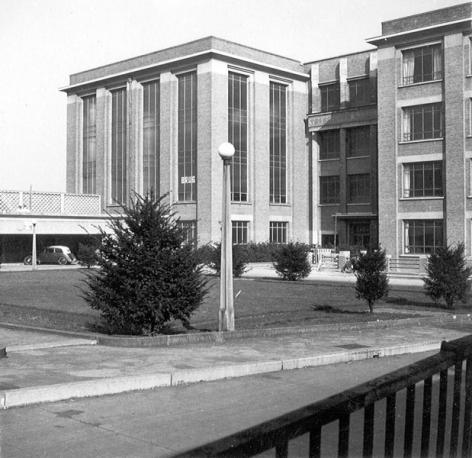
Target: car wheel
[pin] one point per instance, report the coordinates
(28, 260)
(62, 261)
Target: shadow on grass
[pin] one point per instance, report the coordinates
(330, 309)
(404, 301)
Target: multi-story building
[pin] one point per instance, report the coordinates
(369, 147)
(424, 131)
(342, 128)
(156, 121)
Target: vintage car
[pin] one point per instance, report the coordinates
(54, 254)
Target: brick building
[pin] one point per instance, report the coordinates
(157, 121)
(369, 147)
(424, 131)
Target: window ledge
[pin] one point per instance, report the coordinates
(244, 203)
(329, 159)
(272, 204)
(358, 157)
(328, 205)
(185, 202)
(422, 198)
(420, 83)
(358, 203)
(421, 141)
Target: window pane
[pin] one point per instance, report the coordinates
(151, 111)
(118, 152)
(422, 64)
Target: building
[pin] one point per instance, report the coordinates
(156, 121)
(342, 129)
(369, 147)
(425, 131)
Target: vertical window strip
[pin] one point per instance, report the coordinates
(237, 132)
(118, 153)
(151, 136)
(187, 137)
(278, 159)
(89, 137)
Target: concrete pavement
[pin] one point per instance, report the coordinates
(41, 368)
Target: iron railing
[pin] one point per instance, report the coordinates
(409, 440)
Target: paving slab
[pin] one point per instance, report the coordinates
(32, 375)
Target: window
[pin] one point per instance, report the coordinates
(361, 92)
(187, 137)
(329, 97)
(190, 231)
(278, 134)
(327, 240)
(422, 64)
(151, 137)
(118, 147)
(359, 234)
(239, 232)
(423, 236)
(358, 188)
(237, 134)
(329, 144)
(329, 189)
(89, 145)
(422, 179)
(422, 122)
(358, 141)
(278, 232)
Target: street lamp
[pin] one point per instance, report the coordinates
(33, 252)
(226, 311)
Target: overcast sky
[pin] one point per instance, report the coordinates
(43, 41)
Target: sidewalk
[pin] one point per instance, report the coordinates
(46, 368)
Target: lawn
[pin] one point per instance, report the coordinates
(52, 299)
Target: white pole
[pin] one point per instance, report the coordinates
(226, 310)
(33, 256)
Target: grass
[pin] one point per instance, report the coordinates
(52, 299)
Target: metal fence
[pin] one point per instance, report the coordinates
(397, 427)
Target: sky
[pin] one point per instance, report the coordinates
(43, 41)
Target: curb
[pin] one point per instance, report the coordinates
(220, 337)
(114, 385)
(44, 345)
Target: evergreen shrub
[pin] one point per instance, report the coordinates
(291, 261)
(370, 270)
(148, 275)
(447, 275)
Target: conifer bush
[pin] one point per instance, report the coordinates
(370, 270)
(148, 275)
(447, 275)
(210, 255)
(87, 254)
(291, 261)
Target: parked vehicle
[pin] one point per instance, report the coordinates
(55, 254)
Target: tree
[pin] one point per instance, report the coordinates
(210, 255)
(87, 254)
(148, 274)
(291, 261)
(447, 275)
(371, 276)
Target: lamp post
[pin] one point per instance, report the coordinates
(33, 252)
(226, 311)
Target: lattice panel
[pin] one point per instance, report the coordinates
(86, 204)
(44, 203)
(9, 202)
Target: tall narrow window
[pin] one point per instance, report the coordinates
(329, 189)
(237, 134)
(358, 187)
(118, 147)
(89, 145)
(187, 137)
(151, 137)
(358, 141)
(361, 92)
(422, 64)
(278, 147)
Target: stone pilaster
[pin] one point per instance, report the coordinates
(103, 145)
